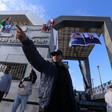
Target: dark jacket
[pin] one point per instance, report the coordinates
(49, 74)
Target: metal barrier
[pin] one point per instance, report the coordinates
(90, 106)
(101, 88)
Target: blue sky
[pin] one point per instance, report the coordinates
(48, 9)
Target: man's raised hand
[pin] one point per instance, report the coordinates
(20, 34)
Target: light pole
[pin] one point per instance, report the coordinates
(100, 79)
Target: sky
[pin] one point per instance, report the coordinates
(48, 9)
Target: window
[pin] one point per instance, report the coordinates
(17, 69)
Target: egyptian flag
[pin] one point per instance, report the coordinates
(3, 22)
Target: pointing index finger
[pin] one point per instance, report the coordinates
(19, 28)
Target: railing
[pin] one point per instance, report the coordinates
(101, 88)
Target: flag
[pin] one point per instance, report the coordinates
(52, 22)
(4, 21)
(5, 24)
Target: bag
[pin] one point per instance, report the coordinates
(27, 89)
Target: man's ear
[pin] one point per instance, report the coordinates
(62, 57)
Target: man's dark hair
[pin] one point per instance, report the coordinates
(8, 66)
(34, 76)
(58, 52)
(110, 86)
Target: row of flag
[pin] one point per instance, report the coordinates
(47, 27)
(84, 39)
(5, 25)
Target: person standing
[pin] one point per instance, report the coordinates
(25, 89)
(5, 82)
(56, 90)
(108, 99)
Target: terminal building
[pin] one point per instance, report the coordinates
(45, 41)
(11, 53)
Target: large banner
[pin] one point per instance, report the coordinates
(84, 39)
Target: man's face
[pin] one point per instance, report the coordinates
(57, 58)
(6, 69)
(110, 89)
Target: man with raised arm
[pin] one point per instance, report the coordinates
(56, 90)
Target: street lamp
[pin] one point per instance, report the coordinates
(100, 79)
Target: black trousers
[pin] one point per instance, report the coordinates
(1, 95)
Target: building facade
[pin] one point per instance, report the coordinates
(11, 53)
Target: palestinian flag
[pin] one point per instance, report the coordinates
(3, 22)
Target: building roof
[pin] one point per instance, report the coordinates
(21, 17)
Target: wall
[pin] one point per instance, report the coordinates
(11, 51)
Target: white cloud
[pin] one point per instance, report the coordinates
(3, 6)
(22, 5)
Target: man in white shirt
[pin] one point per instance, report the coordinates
(5, 82)
(108, 99)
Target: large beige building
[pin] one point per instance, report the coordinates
(11, 53)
